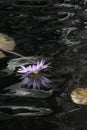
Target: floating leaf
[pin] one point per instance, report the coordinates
(6, 43)
(79, 96)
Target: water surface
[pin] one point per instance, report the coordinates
(58, 30)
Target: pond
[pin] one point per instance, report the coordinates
(52, 36)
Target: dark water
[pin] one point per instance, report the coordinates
(55, 29)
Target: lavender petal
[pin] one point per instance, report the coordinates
(25, 81)
(30, 83)
(46, 79)
(34, 84)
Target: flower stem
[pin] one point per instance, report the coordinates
(11, 52)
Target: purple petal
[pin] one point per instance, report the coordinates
(30, 83)
(22, 67)
(29, 68)
(21, 71)
(42, 62)
(38, 62)
(34, 84)
(46, 66)
(46, 79)
(23, 76)
(37, 66)
(30, 72)
(47, 75)
(25, 81)
(38, 84)
(43, 83)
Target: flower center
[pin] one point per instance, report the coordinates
(36, 72)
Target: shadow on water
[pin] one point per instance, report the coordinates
(55, 29)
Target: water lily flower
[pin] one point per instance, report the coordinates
(32, 75)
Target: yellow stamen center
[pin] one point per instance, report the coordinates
(36, 72)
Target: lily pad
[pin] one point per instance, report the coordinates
(6, 43)
(79, 96)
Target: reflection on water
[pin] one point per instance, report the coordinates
(55, 29)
